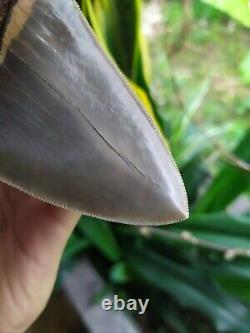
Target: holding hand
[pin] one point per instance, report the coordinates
(33, 235)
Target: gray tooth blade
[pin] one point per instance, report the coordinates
(71, 131)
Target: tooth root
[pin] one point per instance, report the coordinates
(71, 131)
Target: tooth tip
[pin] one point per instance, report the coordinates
(184, 214)
(179, 205)
(183, 210)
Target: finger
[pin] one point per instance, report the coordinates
(13, 195)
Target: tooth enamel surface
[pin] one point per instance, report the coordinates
(71, 131)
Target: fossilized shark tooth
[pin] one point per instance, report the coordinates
(71, 131)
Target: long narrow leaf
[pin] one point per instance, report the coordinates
(101, 235)
(192, 290)
(229, 183)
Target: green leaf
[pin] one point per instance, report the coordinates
(237, 9)
(75, 246)
(192, 289)
(117, 25)
(195, 103)
(238, 287)
(234, 276)
(120, 273)
(89, 12)
(219, 229)
(100, 234)
(194, 180)
(229, 184)
(245, 70)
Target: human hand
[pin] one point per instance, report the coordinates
(33, 235)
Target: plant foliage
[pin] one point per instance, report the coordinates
(196, 273)
(238, 9)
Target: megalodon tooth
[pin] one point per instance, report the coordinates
(72, 133)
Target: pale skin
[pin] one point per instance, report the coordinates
(33, 235)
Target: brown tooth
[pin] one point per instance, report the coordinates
(71, 131)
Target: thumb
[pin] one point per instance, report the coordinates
(32, 245)
(46, 230)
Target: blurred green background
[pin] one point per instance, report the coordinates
(189, 63)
